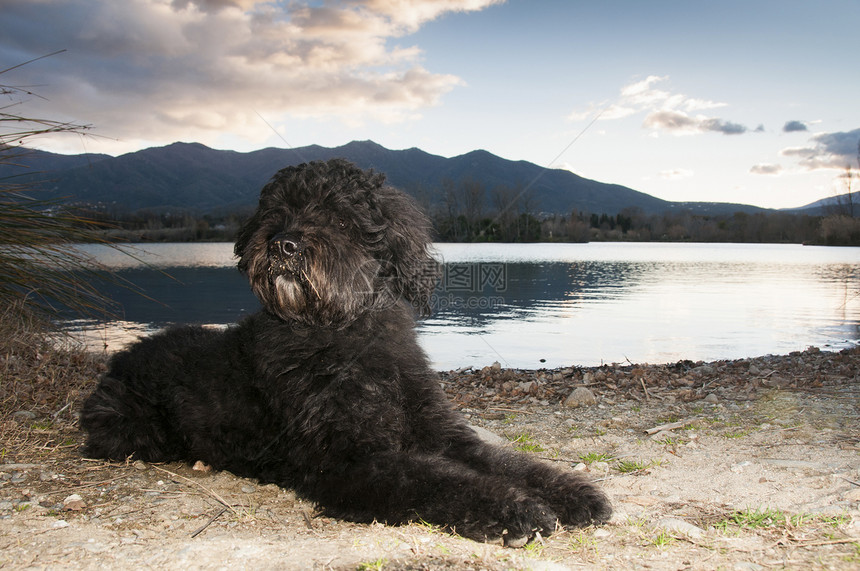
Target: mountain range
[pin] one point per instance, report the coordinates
(191, 177)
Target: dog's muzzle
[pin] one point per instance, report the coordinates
(285, 253)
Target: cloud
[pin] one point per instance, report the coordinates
(763, 168)
(675, 174)
(164, 70)
(794, 126)
(679, 123)
(666, 111)
(828, 151)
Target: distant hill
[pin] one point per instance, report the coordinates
(827, 206)
(193, 177)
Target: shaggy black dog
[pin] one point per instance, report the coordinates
(326, 390)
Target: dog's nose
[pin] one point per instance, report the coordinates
(286, 244)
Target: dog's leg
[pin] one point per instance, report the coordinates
(121, 422)
(400, 487)
(571, 496)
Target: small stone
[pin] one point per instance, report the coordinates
(579, 467)
(23, 416)
(139, 465)
(600, 466)
(704, 370)
(248, 489)
(74, 503)
(487, 436)
(680, 526)
(711, 398)
(580, 396)
(200, 466)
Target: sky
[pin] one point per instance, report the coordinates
(747, 101)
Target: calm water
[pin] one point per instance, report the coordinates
(550, 305)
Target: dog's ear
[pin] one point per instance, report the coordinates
(414, 272)
(246, 233)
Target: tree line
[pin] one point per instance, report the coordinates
(467, 212)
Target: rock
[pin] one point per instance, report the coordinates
(580, 396)
(23, 416)
(139, 465)
(200, 466)
(248, 489)
(680, 526)
(711, 398)
(600, 466)
(704, 370)
(74, 503)
(488, 436)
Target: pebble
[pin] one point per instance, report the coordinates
(74, 503)
(712, 398)
(139, 465)
(248, 489)
(599, 466)
(488, 436)
(680, 526)
(23, 416)
(580, 396)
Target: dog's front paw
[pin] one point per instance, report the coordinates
(579, 503)
(516, 522)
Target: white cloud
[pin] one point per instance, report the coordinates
(165, 70)
(675, 174)
(767, 169)
(666, 111)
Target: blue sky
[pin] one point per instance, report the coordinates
(737, 101)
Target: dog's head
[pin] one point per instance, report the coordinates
(329, 242)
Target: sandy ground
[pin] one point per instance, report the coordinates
(750, 464)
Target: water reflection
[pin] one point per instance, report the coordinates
(558, 304)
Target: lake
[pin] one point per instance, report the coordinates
(548, 305)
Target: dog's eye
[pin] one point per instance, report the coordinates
(341, 223)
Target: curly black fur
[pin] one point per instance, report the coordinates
(326, 390)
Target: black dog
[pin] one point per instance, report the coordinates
(326, 390)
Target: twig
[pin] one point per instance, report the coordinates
(214, 495)
(850, 481)
(307, 519)
(828, 542)
(59, 412)
(208, 523)
(500, 409)
(671, 425)
(644, 388)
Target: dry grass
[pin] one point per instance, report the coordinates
(41, 371)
